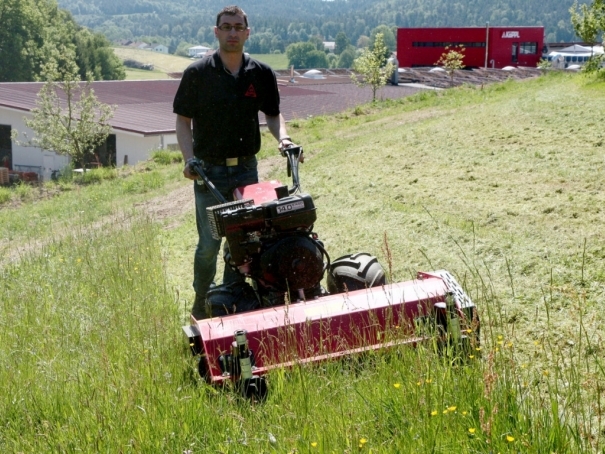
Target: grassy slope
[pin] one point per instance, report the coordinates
(500, 185)
(164, 63)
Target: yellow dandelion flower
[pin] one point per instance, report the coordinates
(478, 349)
(510, 344)
(472, 430)
(445, 411)
(464, 413)
(523, 366)
(500, 342)
(363, 441)
(469, 331)
(434, 413)
(471, 356)
(545, 373)
(314, 444)
(419, 383)
(397, 385)
(452, 408)
(428, 380)
(510, 439)
(497, 349)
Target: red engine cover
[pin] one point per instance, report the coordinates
(259, 192)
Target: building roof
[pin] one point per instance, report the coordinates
(145, 107)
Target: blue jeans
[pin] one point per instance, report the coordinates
(226, 179)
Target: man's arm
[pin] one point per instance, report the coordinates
(277, 127)
(184, 136)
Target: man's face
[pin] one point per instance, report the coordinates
(232, 40)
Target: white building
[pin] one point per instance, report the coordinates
(143, 121)
(573, 55)
(160, 48)
(198, 51)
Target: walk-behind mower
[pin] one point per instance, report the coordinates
(282, 315)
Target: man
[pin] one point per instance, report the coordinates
(220, 96)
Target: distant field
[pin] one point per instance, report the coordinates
(164, 63)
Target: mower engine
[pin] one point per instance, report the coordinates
(269, 234)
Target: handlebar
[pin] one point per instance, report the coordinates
(293, 154)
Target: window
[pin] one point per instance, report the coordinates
(6, 147)
(529, 48)
(446, 44)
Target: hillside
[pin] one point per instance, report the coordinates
(185, 20)
(500, 184)
(164, 64)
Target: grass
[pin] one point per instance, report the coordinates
(501, 186)
(168, 63)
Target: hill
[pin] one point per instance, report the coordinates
(500, 184)
(284, 22)
(165, 64)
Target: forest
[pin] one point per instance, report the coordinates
(36, 32)
(277, 24)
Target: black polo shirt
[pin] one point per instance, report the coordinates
(224, 108)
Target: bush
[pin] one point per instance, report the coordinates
(97, 175)
(5, 195)
(143, 182)
(166, 157)
(24, 191)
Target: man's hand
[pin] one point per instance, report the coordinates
(287, 143)
(188, 172)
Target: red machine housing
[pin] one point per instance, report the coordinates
(336, 325)
(270, 237)
(492, 47)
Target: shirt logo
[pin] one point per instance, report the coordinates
(251, 92)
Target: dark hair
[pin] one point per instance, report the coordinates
(231, 11)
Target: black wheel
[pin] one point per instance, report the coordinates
(355, 272)
(254, 388)
(202, 368)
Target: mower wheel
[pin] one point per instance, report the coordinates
(355, 272)
(202, 368)
(254, 388)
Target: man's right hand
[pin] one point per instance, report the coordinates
(188, 171)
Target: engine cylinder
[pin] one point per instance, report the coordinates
(292, 263)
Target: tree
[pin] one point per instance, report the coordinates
(363, 41)
(586, 22)
(341, 43)
(346, 58)
(69, 119)
(388, 38)
(297, 54)
(317, 59)
(95, 57)
(32, 28)
(451, 60)
(372, 68)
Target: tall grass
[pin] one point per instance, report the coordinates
(92, 360)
